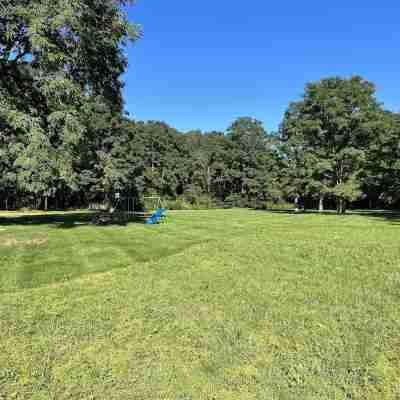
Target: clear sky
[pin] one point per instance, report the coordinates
(201, 64)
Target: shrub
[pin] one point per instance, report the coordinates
(177, 204)
(270, 205)
(205, 202)
(192, 202)
(233, 201)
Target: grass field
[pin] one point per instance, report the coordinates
(216, 305)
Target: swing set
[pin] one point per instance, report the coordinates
(124, 209)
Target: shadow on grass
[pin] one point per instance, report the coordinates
(61, 220)
(391, 216)
(386, 215)
(77, 219)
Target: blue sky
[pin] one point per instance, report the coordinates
(201, 64)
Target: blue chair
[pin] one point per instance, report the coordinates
(156, 217)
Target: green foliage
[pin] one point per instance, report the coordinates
(349, 190)
(235, 200)
(329, 134)
(381, 178)
(189, 201)
(179, 203)
(64, 137)
(54, 63)
(271, 205)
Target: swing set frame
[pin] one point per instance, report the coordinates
(132, 203)
(125, 208)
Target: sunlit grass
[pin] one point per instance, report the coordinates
(220, 304)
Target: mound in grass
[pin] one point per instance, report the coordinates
(249, 305)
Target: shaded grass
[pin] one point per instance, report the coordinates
(66, 254)
(213, 305)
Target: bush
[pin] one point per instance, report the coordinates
(270, 205)
(177, 204)
(189, 201)
(205, 202)
(233, 201)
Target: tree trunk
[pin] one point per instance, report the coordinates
(6, 203)
(371, 204)
(45, 203)
(341, 206)
(208, 180)
(321, 204)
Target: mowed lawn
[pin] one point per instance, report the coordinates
(225, 304)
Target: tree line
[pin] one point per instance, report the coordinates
(65, 140)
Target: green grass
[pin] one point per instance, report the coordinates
(225, 304)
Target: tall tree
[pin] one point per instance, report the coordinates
(208, 162)
(334, 124)
(55, 57)
(381, 177)
(249, 140)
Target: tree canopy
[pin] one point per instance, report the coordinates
(60, 65)
(332, 130)
(65, 139)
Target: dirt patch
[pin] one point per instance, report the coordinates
(11, 241)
